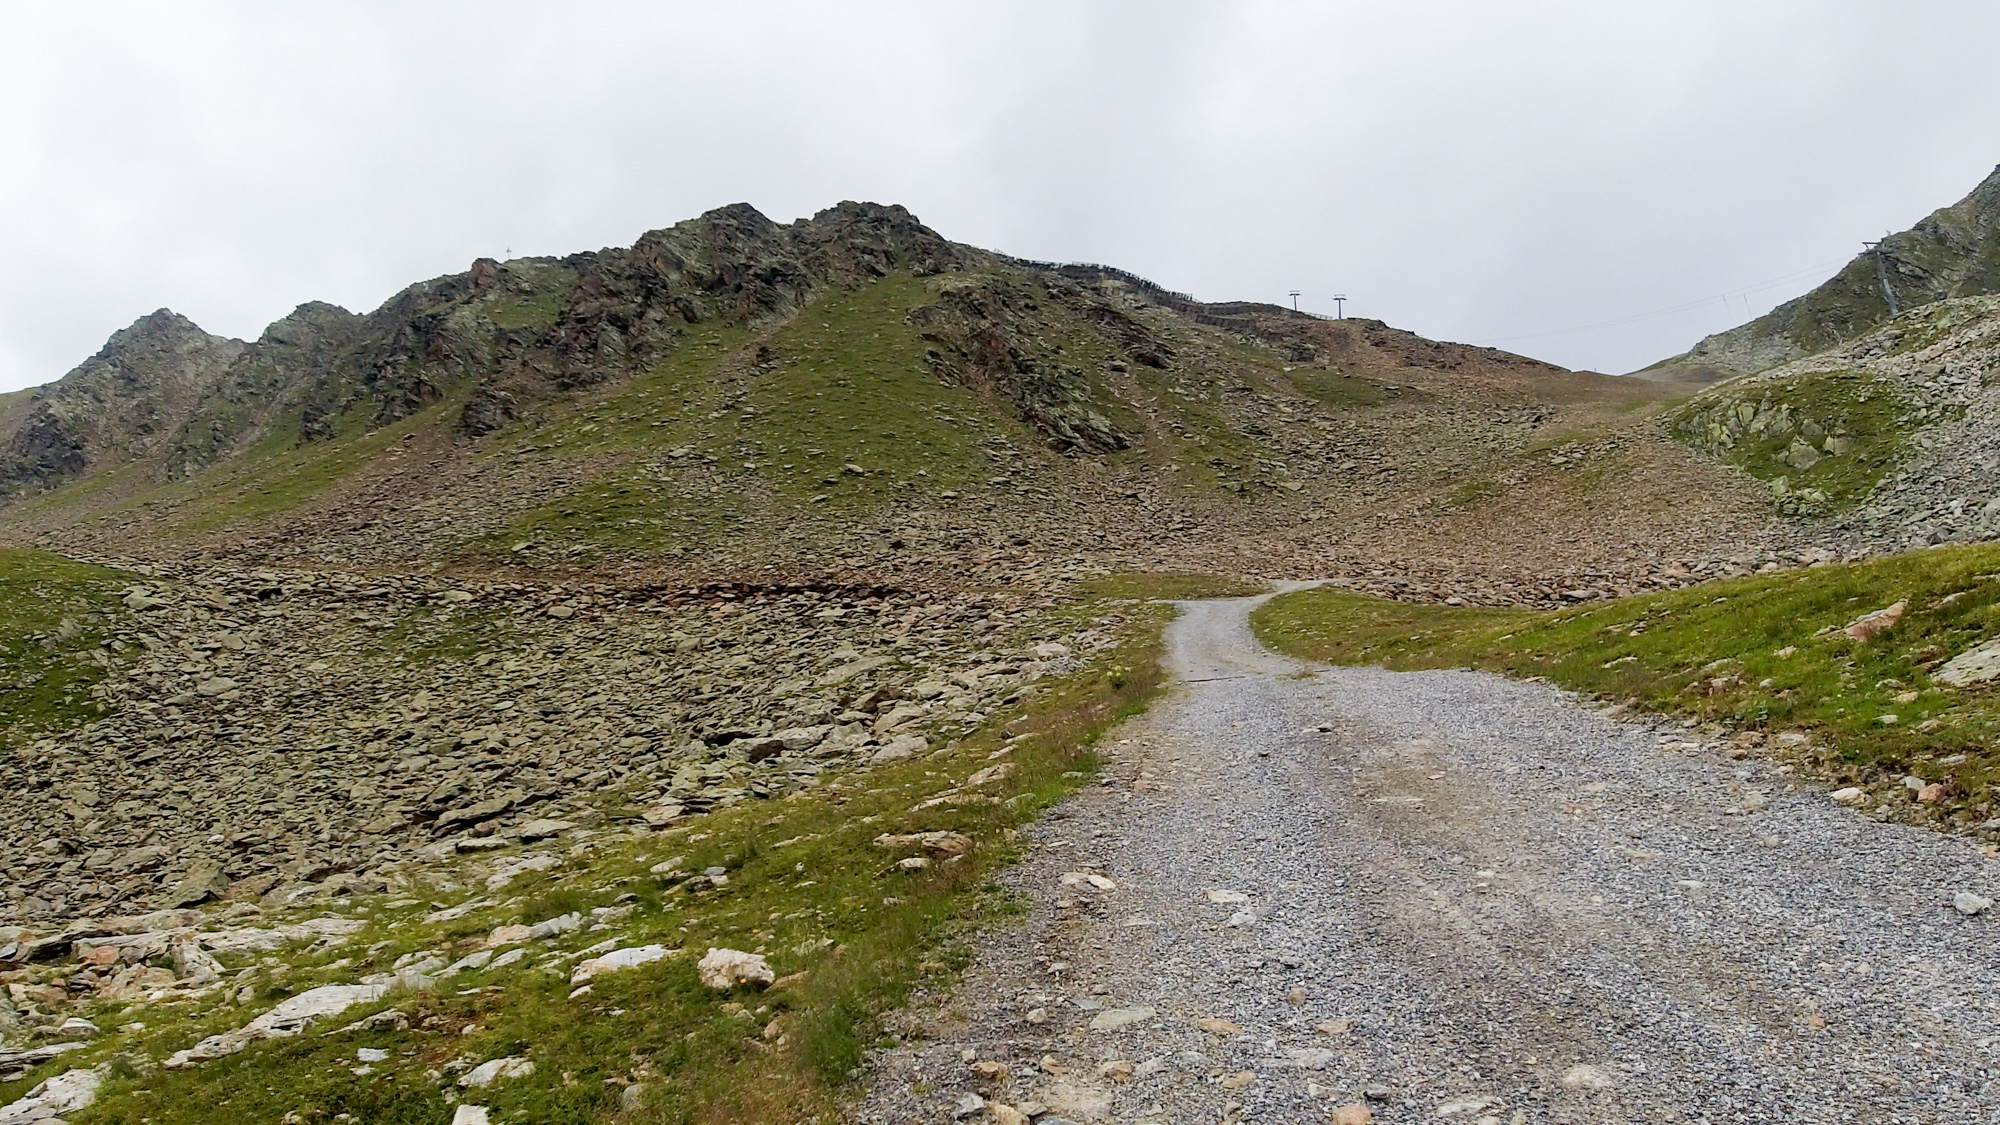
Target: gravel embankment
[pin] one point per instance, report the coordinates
(1467, 899)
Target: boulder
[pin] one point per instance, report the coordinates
(204, 881)
(65, 1093)
(289, 1018)
(618, 959)
(1870, 625)
(724, 969)
(1973, 666)
(494, 1070)
(938, 843)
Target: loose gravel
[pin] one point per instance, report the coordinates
(1452, 896)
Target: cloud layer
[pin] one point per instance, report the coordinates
(1545, 176)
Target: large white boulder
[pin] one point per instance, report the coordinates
(65, 1093)
(724, 969)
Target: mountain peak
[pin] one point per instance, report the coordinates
(1952, 252)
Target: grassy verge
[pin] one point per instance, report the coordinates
(1765, 654)
(850, 927)
(1166, 586)
(53, 617)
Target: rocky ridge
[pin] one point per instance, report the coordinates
(124, 403)
(1953, 252)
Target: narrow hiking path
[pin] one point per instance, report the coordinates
(1448, 895)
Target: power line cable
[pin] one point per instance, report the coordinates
(1741, 291)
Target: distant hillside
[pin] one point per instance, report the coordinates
(851, 392)
(1954, 252)
(1893, 438)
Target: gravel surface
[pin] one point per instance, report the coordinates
(1461, 898)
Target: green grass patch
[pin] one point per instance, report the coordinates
(1763, 653)
(55, 614)
(1466, 494)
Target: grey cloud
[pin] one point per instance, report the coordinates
(1467, 170)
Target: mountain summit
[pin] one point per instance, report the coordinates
(1953, 252)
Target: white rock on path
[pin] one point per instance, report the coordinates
(1120, 1017)
(1584, 1076)
(65, 1093)
(288, 1018)
(724, 969)
(469, 1115)
(1969, 904)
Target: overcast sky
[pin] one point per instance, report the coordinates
(1518, 174)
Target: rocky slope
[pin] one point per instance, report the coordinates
(1890, 441)
(1953, 252)
(850, 396)
(284, 735)
(254, 771)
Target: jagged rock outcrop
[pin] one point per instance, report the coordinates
(123, 402)
(628, 309)
(505, 335)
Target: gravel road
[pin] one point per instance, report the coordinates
(1452, 896)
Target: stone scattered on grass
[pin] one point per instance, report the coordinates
(617, 959)
(724, 969)
(1870, 625)
(938, 843)
(494, 1070)
(290, 1017)
(1973, 666)
(65, 1093)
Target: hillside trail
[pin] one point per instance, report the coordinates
(1336, 893)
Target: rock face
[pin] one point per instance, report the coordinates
(1953, 252)
(125, 402)
(1974, 666)
(531, 330)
